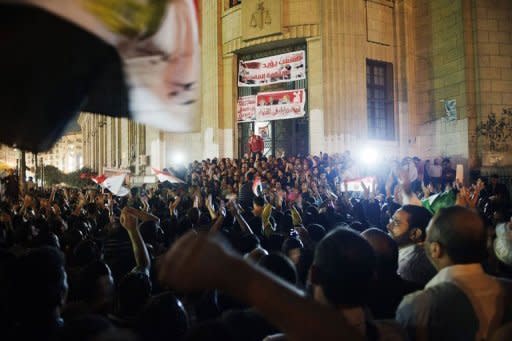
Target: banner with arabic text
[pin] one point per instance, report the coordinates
(278, 105)
(287, 67)
(246, 109)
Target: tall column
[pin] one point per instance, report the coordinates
(469, 21)
(405, 64)
(211, 75)
(344, 76)
(227, 140)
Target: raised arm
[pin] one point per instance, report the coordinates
(235, 212)
(201, 262)
(129, 222)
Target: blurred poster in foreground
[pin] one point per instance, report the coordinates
(124, 58)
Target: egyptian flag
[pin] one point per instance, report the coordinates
(113, 183)
(99, 179)
(167, 176)
(257, 187)
(124, 58)
(354, 185)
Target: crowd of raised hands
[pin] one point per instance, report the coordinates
(241, 236)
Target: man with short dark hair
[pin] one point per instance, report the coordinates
(341, 274)
(245, 194)
(388, 289)
(407, 228)
(456, 245)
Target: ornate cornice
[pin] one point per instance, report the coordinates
(290, 32)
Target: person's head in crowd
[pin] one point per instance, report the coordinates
(280, 266)
(343, 266)
(386, 252)
(407, 225)
(316, 232)
(357, 226)
(456, 235)
(249, 176)
(133, 293)
(292, 248)
(96, 286)
(48, 239)
(285, 224)
(151, 232)
(163, 318)
(193, 214)
(38, 285)
(494, 179)
(445, 163)
(24, 233)
(257, 206)
(246, 243)
(85, 252)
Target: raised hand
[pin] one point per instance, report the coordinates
(196, 262)
(296, 218)
(128, 219)
(209, 206)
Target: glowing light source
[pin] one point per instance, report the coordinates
(178, 158)
(369, 156)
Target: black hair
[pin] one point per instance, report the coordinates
(85, 252)
(461, 233)
(37, 281)
(134, 292)
(246, 243)
(344, 264)
(290, 244)
(316, 232)
(149, 231)
(164, 318)
(250, 176)
(419, 217)
(88, 279)
(259, 201)
(385, 249)
(280, 266)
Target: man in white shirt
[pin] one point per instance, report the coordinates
(456, 245)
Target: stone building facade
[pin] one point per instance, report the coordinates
(66, 155)
(406, 77)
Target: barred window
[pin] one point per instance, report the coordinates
(380, 104)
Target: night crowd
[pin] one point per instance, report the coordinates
(262, 249)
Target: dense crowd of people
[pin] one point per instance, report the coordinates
(262, 249)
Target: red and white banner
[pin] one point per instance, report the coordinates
(354, 185)
(167, 176)
(287, 67)
(114, 184)
(246, 109)
(278, 105)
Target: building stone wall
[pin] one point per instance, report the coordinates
(493, 53)
(440, 50)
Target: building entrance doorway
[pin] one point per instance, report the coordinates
(281, 136)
